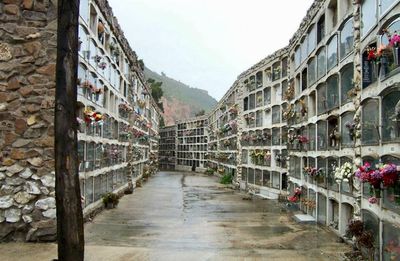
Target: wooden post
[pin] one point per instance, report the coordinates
(68, 197)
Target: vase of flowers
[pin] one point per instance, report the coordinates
(394, 42)
(385, 175)
(351, 126)
(344, 173)
(296, 196)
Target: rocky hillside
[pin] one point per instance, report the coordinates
(180, 100)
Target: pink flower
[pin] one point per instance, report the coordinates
(373, 200)
(394, 40)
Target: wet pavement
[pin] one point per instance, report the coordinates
(182, 216)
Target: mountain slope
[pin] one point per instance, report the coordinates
(180, 100)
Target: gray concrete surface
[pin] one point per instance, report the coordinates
(177, 216)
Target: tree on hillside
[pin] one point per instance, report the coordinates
(200, 113)
(156, 92)
(162, 122)
(141, 64)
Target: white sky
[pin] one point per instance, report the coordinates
(207, 43)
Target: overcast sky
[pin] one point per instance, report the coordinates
(207, 43)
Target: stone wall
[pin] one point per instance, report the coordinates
(27, 91)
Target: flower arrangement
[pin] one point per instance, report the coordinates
(102, 65)
(233, 125)
(367, 173)
(303, 109)
(91, 116)
(296, 196)
(125, 107)
(90, 86)
(249, 118)
(141, 103)
(389, 174)
(314, 172)
(355, 228)
(344, 173)
(381, 174)
(393, 248)
(227, 143)
(308, 203)
(276, 72)
(233, 109)
(259, 156)
(302, 139)
(289, 113)
(289, 93)
(394, 39)
(385, 174)
(351, 126)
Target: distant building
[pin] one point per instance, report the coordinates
(167, 148)
(191, 144)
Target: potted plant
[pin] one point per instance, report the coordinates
(110, 200)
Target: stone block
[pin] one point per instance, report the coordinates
(49, 69)
(11, 9)
(45, 204)
(19, 143)
(48, 181)
(37, 162)
(14, 181)
(23, 197)
(13, 84)
(32, 188)
(6, 202)
(27, 219)
(35, 16)
(25, 91)
(50, 213)
(27, 209)
(20, 126)
(33, 48)
(26, 174)
(14, 169)
(9, 138)
(15, 2)
(27, 4)
(12, 215)
(17, 154)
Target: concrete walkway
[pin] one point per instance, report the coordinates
(177, 216)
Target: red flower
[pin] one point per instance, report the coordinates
(371, 55)
(293, 199)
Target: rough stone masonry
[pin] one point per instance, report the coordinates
(27, 90)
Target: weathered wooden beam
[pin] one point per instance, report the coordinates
(68, 200)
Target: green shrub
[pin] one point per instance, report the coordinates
(110, 198)
(209, 171)
(226, 179)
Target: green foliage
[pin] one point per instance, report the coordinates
(156, 92)
(162, 122)
(209, 171)
(110, 198)
(226, 179)
(141, 64)
(196, 98)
